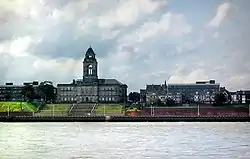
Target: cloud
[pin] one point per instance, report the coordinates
(138, 42)
(169, 24)
(128, 12)
(221, 14)
(215, 35)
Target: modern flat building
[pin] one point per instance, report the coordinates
(11, 92)
(90, 88)
(202, 91)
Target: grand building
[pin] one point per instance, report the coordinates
(203, 91)
(90, 88)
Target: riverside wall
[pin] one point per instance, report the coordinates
(212, 111)
(126, 119)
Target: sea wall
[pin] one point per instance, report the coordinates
(194, 111)
(16, 114)
(127, 119)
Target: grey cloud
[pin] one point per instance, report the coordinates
(67, 46)
(5, 61)
(150, 62)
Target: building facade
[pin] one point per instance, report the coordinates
(11, 92)
(203, 92)
(240, 97)
(90, 88)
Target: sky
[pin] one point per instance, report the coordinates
(138, 42)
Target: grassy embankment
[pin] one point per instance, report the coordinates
(17, 107)
(59, 109)
(109, 108)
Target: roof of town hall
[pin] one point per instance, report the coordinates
(100, 82)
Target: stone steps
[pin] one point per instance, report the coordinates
(81, 109)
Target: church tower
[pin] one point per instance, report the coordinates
(90, 66)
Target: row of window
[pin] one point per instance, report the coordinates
(88, 93)
(6, 92)
(89, 89)
(90, 99)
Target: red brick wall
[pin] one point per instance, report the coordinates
(194, 111)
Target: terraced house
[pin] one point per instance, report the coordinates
(90, 88)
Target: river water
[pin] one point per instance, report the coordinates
(124, 140)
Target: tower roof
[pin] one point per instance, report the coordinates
(90, 51)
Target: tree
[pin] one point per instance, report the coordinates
(220, 99)
(185, 99)
(46, 91)
(170, 102)
(157, 102)
(134, 96)
(28, 93)
(7, 97)
(228, 96)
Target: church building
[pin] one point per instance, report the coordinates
(90, 88)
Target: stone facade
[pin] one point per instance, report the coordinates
(90, 88)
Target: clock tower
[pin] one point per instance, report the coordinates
(90, 66)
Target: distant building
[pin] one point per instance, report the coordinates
(11, 92)
(240, 97)
(202, 91)
(90, 88)
(143, 95)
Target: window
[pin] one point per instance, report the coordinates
(109, 99)
(90, 69)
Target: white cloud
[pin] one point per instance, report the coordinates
(39, 69)
(221, 15)
(17, 47)
(128, 12)
(169, 24)
(188, 46)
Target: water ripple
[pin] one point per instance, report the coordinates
(124, 140)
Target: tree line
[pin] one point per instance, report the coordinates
(45, 92)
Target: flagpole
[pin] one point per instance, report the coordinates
(104, 109)
(53, 109)
(249, 110)
(151, 110)
(8, 110)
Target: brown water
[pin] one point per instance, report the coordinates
(124, 140)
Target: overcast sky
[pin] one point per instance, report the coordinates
(138, 42)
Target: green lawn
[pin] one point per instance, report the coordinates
(109, 108)
(132, 109)
(59, 109)
(17, 107)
